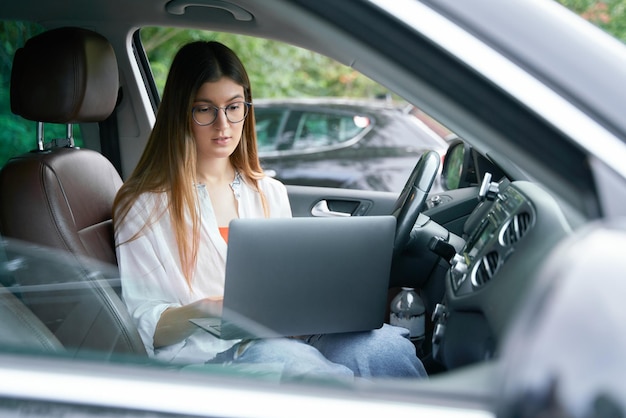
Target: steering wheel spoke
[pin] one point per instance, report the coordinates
(412, 199)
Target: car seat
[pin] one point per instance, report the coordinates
(21, 330)
(62, 198)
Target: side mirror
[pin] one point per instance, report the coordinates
(457, 166)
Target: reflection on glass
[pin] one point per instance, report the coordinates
(454, 159)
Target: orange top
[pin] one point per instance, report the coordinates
(224, 233)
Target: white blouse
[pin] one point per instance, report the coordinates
(152, 278)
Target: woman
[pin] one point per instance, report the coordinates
(199, 171)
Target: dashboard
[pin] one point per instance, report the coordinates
(507, 237)
(492, 241)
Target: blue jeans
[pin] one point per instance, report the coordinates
(384, 352)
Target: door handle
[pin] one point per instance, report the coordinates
(321, 209)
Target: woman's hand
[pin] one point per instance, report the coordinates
(209, 307)
(174, 325)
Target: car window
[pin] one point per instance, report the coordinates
(304, 73)
(305, 130)
(314, 130)
(268, 127)
(317, 114)
(19, 135)
(320, 129)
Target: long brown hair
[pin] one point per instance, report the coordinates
(168, 163)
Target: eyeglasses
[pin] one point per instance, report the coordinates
(207, 114)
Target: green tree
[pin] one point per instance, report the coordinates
(14, 128)
(609, 15)
(276, 69)
(17, 134)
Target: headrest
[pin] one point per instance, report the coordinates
(65, 75)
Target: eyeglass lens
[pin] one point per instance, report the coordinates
(206, 114)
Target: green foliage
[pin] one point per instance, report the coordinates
(609, 15)
(17, 134)
(14, 129)
(276, 69)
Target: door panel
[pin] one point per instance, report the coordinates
(449, 209)
(314, 201)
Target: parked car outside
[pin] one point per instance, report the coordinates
(346, 143)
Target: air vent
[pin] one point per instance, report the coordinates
(485, 269)
(516, 228)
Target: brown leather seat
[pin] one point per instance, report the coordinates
(21, 329)
(62, 198)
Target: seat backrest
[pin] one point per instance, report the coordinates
(21, 329)
(62, 198)
(73, 301)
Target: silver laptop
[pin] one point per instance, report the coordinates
(302, 276)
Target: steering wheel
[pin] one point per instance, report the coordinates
(413, 197)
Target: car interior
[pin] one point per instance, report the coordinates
(473, 250)
(65, 194)
(64, 197)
